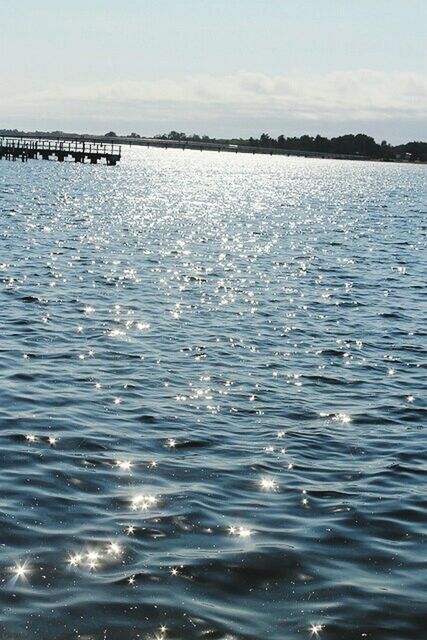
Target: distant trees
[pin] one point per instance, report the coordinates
(180, 136)
(176, 135)
(265, 140)
(11, 132)
(415, 151)
(358, 144)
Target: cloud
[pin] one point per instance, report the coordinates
(352, 96)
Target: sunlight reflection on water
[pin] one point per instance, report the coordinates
(212, 398)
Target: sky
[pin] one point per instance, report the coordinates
(216, 67)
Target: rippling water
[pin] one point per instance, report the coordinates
(211, 400)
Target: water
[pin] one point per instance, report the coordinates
(211, 402)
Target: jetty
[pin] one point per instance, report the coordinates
(62, 150)
(93, 148)
(224, 147)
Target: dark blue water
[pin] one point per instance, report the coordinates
(212, 399)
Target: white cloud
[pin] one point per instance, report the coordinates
(353, 96)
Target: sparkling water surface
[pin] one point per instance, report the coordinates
(212, 399)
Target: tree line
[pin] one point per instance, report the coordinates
(349, 144)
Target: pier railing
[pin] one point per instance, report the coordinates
(77, 150)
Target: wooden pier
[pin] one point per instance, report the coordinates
(62, 150)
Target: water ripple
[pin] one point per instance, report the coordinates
(212, 399)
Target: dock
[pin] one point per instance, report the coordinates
(93, 148)
(62, 150)
(223, 147)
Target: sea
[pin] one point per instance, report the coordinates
(213, 398)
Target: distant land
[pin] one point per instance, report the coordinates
(349, 145)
